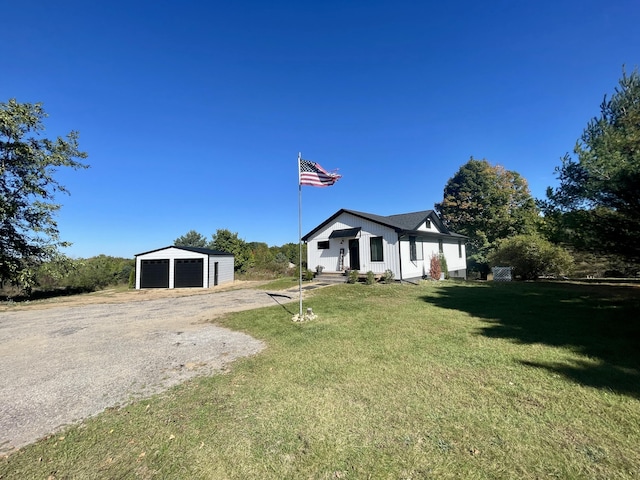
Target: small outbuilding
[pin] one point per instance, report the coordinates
(183, 267)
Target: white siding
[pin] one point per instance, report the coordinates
(430, 246)
(330, 258)
(225, 269)
(456, 258)
(431, 228)
(415, 268)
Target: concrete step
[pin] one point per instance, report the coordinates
(330, 277)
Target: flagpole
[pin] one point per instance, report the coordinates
(300, 236)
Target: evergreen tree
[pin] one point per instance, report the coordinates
(597, 204)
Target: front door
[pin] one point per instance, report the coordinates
(354, 254)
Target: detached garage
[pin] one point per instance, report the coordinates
(183, 267)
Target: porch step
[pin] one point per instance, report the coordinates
(330, 277)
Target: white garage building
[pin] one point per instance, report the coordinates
(183, 267)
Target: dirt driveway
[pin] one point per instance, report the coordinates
(69, 359)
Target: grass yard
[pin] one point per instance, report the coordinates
(440, 380)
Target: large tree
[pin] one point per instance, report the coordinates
(28, 231)
(229, 242)
(597, 204)
(486, 203)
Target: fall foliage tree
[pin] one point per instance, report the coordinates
(486, 203)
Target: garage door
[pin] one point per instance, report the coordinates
(154, 274)
(188, 272)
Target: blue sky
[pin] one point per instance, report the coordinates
(193, 112)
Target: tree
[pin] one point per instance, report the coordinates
(486, 203)
(531, 256)
(191, 239)
(597, 204)
(228, 242)
(292, 251)
(28, 231)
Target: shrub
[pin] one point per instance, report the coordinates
(434, 267)
(387, 276)
(371, 278)
(307, 274)
(443, 265)
(352, 276)
(531, 256)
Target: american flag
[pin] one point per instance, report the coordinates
(314, 175)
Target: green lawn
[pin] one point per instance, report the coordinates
(440, 380)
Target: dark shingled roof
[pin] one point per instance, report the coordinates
(205, 251)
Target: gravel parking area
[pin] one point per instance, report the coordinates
(65, 362)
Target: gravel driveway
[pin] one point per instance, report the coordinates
(66, 363)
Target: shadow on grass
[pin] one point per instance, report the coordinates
(601, 322)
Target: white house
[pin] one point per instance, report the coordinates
(404, 244)
(181, 267)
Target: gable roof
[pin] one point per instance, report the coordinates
(403, 223)
(205, 251)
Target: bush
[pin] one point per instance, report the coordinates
(307, 274)
(352, 276)
(435, 268)
(531, 256)
(387, 276)
(371, 278)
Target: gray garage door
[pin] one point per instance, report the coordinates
(154, 274)
(188, 272)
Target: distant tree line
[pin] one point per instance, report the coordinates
(255, 259)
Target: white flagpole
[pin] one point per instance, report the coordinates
(300, 235)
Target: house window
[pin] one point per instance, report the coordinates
(459, 248)
(376, 249)
(323, 245)
(415, 249)
(440, 247)
(427, 223)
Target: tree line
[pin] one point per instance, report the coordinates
(591, 219)
(255, 258)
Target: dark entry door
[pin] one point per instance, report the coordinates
(154, 274)
(354, 254)
(188, 272)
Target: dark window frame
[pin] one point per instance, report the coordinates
(415, 249)
(324, 244)
(376, 247)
